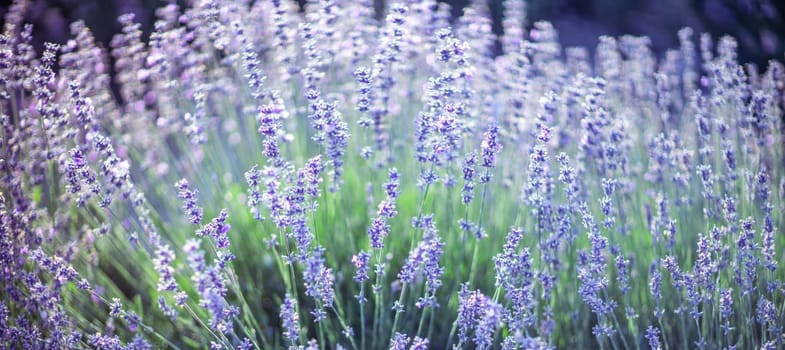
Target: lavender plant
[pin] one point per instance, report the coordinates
(260, 175)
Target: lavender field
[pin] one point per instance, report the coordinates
(257, 175)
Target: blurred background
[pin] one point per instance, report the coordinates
(758, 25)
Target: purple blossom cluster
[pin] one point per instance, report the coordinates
(211, 285)
(424, 259)
(478, 314)
(188, 196)
(515, 275)
(290, 319)
(379, 228)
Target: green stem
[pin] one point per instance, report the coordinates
(378, 302)
(397, 312)
(475, 254)
(362, 316)
(422, 318)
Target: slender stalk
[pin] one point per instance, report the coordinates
(362, 316)
(422, 318)
(320, 331)
(663, 331)
(397, 312)
(218, 336)
(452, 333)
(618, 327)
(430, 325)
(378, 293)
(475, 253)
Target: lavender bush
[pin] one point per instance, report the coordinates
(260, 176)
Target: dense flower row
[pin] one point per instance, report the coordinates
(258, 175)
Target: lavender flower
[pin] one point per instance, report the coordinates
(514, 273)
(726, 310)
(290, 319)
(745, 272)
(253, 178)
(653, 337)
(364, 79)
(269, 119)
(592, 275)
(251, 64)
(419, 344)
(768, 246)
(478, 313)
(399, 341)
(360, 262)
(379, 229)
(523, 342)
(440, 125)
(425, 258)
(468, 177)
(100, 341)
(334, 132)
(319, 281)
(490, 147)
(376, 84)
(513, 23)
(622, 270)
(189, 198)
(194, 128)
(705, 267)
(115, 307)
(766, 314)
(212, 286)
(164, 257)
(217, 229)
